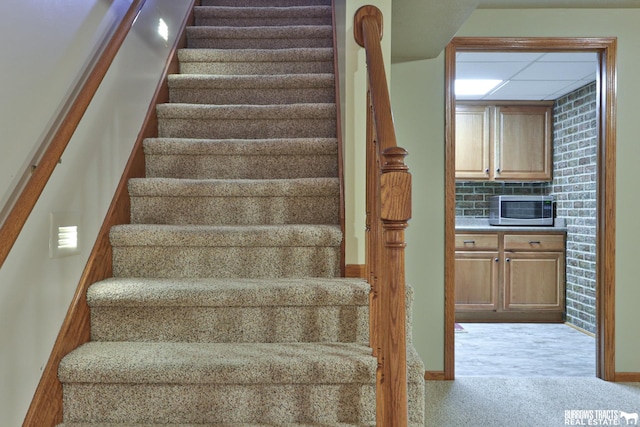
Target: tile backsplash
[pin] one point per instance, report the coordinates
(472, 197)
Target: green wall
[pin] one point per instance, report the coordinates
(418, 100)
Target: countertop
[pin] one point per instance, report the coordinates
(482, 224)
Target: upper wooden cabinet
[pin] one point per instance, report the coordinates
(472, 141)
(504, 141)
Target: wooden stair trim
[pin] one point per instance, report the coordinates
(388, 206)
(46, 406)
(336, 76)
(358, 271)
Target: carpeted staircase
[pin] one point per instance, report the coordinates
(226, 306)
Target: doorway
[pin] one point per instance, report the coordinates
(605, 48)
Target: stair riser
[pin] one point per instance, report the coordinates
(238, 128)
(235, 210)
(249, 262)
(231, 324)
(262, 21)
(237, 166)
(258, 43)
(256, 96)
(265, 3)
(260, 3)
(278, 404)
(256, 68)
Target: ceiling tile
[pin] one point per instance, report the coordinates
(556, 71)
(488, 70)
(498, 56)
(530, 76)
(527, 90)
(569, 57)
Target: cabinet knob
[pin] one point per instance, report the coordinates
(497, 259)
(498, 170)
(508, 259)
(486, 171)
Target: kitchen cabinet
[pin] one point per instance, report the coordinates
(510, 276)
(504, 141)
(476, 271)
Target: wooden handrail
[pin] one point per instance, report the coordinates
(26, 200)
(388, 205)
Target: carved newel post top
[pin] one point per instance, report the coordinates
(393, 159)
(366, 12)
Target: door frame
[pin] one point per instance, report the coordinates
(606, 47)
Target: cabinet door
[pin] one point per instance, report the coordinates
(523, 143)
(534, 281)
(472, 142)
(476, 280)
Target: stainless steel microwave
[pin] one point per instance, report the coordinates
(521, 210)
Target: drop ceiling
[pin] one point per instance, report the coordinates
(528, 76)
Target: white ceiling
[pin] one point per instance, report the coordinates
(528, 76)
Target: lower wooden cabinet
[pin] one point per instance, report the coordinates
(508, 276)
(534, 281)
(477, 280)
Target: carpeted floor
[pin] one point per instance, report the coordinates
(527, 401)
(525, 375)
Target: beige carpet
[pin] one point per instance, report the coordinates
(226, 306)
(529, 402)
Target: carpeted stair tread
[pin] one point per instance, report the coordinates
(71, 424)
(241, 158)
(260, 3)
(256, 61)
(290, 31)
(171, 187)
(224, 236)
(246, 112)
(245, 121)
(251, 251)
(250, 147)
(283, 81)
(260, 37)
(256, 55)
(234, 201)
(261, 16)
(251, 89)
(231, 292)
(230, 310)
(219, 363)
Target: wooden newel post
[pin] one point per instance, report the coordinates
(395, 207)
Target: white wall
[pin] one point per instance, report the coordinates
(35, 291)
(48, 44)
(417, 94)
(417, 90)
(353, 107)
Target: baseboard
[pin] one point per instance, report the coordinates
(355, 271)
(579, 329)
(627, 377)
(434, 376)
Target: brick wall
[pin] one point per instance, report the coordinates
(574, 187)
(472, 198)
